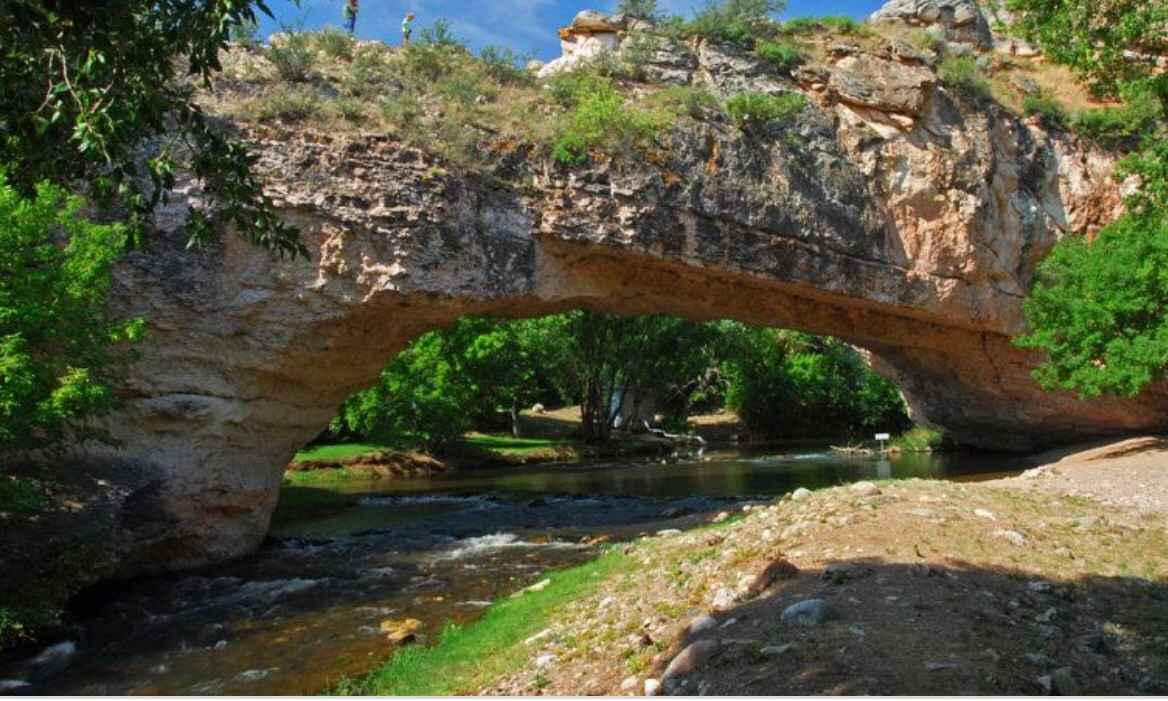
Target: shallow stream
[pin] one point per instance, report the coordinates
(305, 611)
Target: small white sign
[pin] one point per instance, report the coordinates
(883, 436)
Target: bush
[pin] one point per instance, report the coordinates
(402, 111)
(505, 66)
(335, 43)
(1124, 125)
(920, 439)
(784, 55)
(245, 34)
(440, 34)
(688, 100)
(962, 73)
(290, 104)
(350, 109)
(569, 87)
(371, 73)
(293, 56)
(759, 108)
(60, 353)
(1047, 108)
(601, 120)
(21, 496)
(636, 52)
(839, 24)
(642, 9)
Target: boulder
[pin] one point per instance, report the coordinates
(691, 659)
(958, 20)
(882, 84)
(809, 613)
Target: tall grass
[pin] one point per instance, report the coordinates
(468, 658)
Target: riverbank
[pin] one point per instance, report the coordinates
(926, 588)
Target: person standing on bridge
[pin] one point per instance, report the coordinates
(350, 13)
(407, 28)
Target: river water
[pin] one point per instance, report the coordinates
(305, 611)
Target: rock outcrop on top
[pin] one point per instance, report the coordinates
(891, 213)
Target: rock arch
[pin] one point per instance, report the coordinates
(888, 214)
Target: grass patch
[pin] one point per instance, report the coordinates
(293, 56)
(510, 444)
(785, 55)
(748, 108)
(837, 24)
(339, 451)
(21, 495)
(919, 439)
(468, 658)
(1046, 108)
(961, 73)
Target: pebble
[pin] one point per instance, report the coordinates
(722, 516)
(940, 666)
(724, 598)
(544, 660)
(800, 494)
(982, 513)
(538, 637)
(652, 687)
(669, 532)
(778, 650)
(1047, 616)
(253, 675)
(692, 658)
(1049, 632)
(1038, 587)
(1037, 659)
(1013, 536)
(629, 684)
(401, 631)
(811, 612)
(221, 645)
(865, 489)
(729, 623)
(701, 624)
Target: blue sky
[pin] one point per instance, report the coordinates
(524, 25)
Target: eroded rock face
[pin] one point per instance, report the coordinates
(889, 214)
(954, 20)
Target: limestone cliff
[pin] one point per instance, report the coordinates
(893, 212)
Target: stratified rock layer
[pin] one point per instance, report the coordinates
(890, 214)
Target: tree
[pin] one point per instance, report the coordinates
(420, 400)
(641, 9)
(1106, 43)
(1097, 309)
(60, 352)
(785, 384)
(1100, 310)
(100, 96)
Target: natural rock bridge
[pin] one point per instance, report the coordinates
(891, 214)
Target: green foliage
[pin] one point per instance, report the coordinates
(469, 658)
(293, 56)
(786, 55)
(642, 9)
(748, 108)
(371, 73)
(1046, 107)
(1099, 309)
(335, 43)
(919, 439)
(245, 34)
(790, 385)
(87, 84)
(21, 496)
(506, 66)
(288, 103)
(59, 350)
(1094, 38)
(419, 401)
(837, 24)
(694, 102)
(962, 74)
(440, 34)
(1123, 126)
(599, 119)
(636, 52)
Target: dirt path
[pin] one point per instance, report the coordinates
(1131, 473)
(927, 588)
